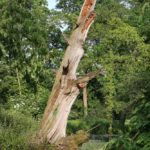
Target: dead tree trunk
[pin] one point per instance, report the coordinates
(67, 85)
(85, 101)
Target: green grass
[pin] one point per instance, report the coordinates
(16, 130)
(93, 145)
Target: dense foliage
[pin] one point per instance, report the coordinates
(31, 48)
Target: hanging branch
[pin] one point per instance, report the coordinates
(85, 100)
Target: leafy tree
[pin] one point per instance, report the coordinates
(23, 48)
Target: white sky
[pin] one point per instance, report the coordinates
(51, 4)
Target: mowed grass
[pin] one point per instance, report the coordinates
(93, 145)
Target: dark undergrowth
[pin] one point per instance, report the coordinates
(17, 131)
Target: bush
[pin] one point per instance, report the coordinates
(137, 136)
(16, 130)
(75, 125)
(97, 126)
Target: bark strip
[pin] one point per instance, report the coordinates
(85, 101)
(65, 89)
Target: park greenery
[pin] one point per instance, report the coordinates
(32, 44)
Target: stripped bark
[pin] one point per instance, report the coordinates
(67, 85)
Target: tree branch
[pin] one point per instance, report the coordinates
(66, 38)
(86, 78)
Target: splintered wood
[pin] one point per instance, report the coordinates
(87, 7)
(89, 21)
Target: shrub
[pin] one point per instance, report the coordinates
(16, 130)
(75, 125)
(100, 126)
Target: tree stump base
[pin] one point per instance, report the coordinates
(73, 141)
